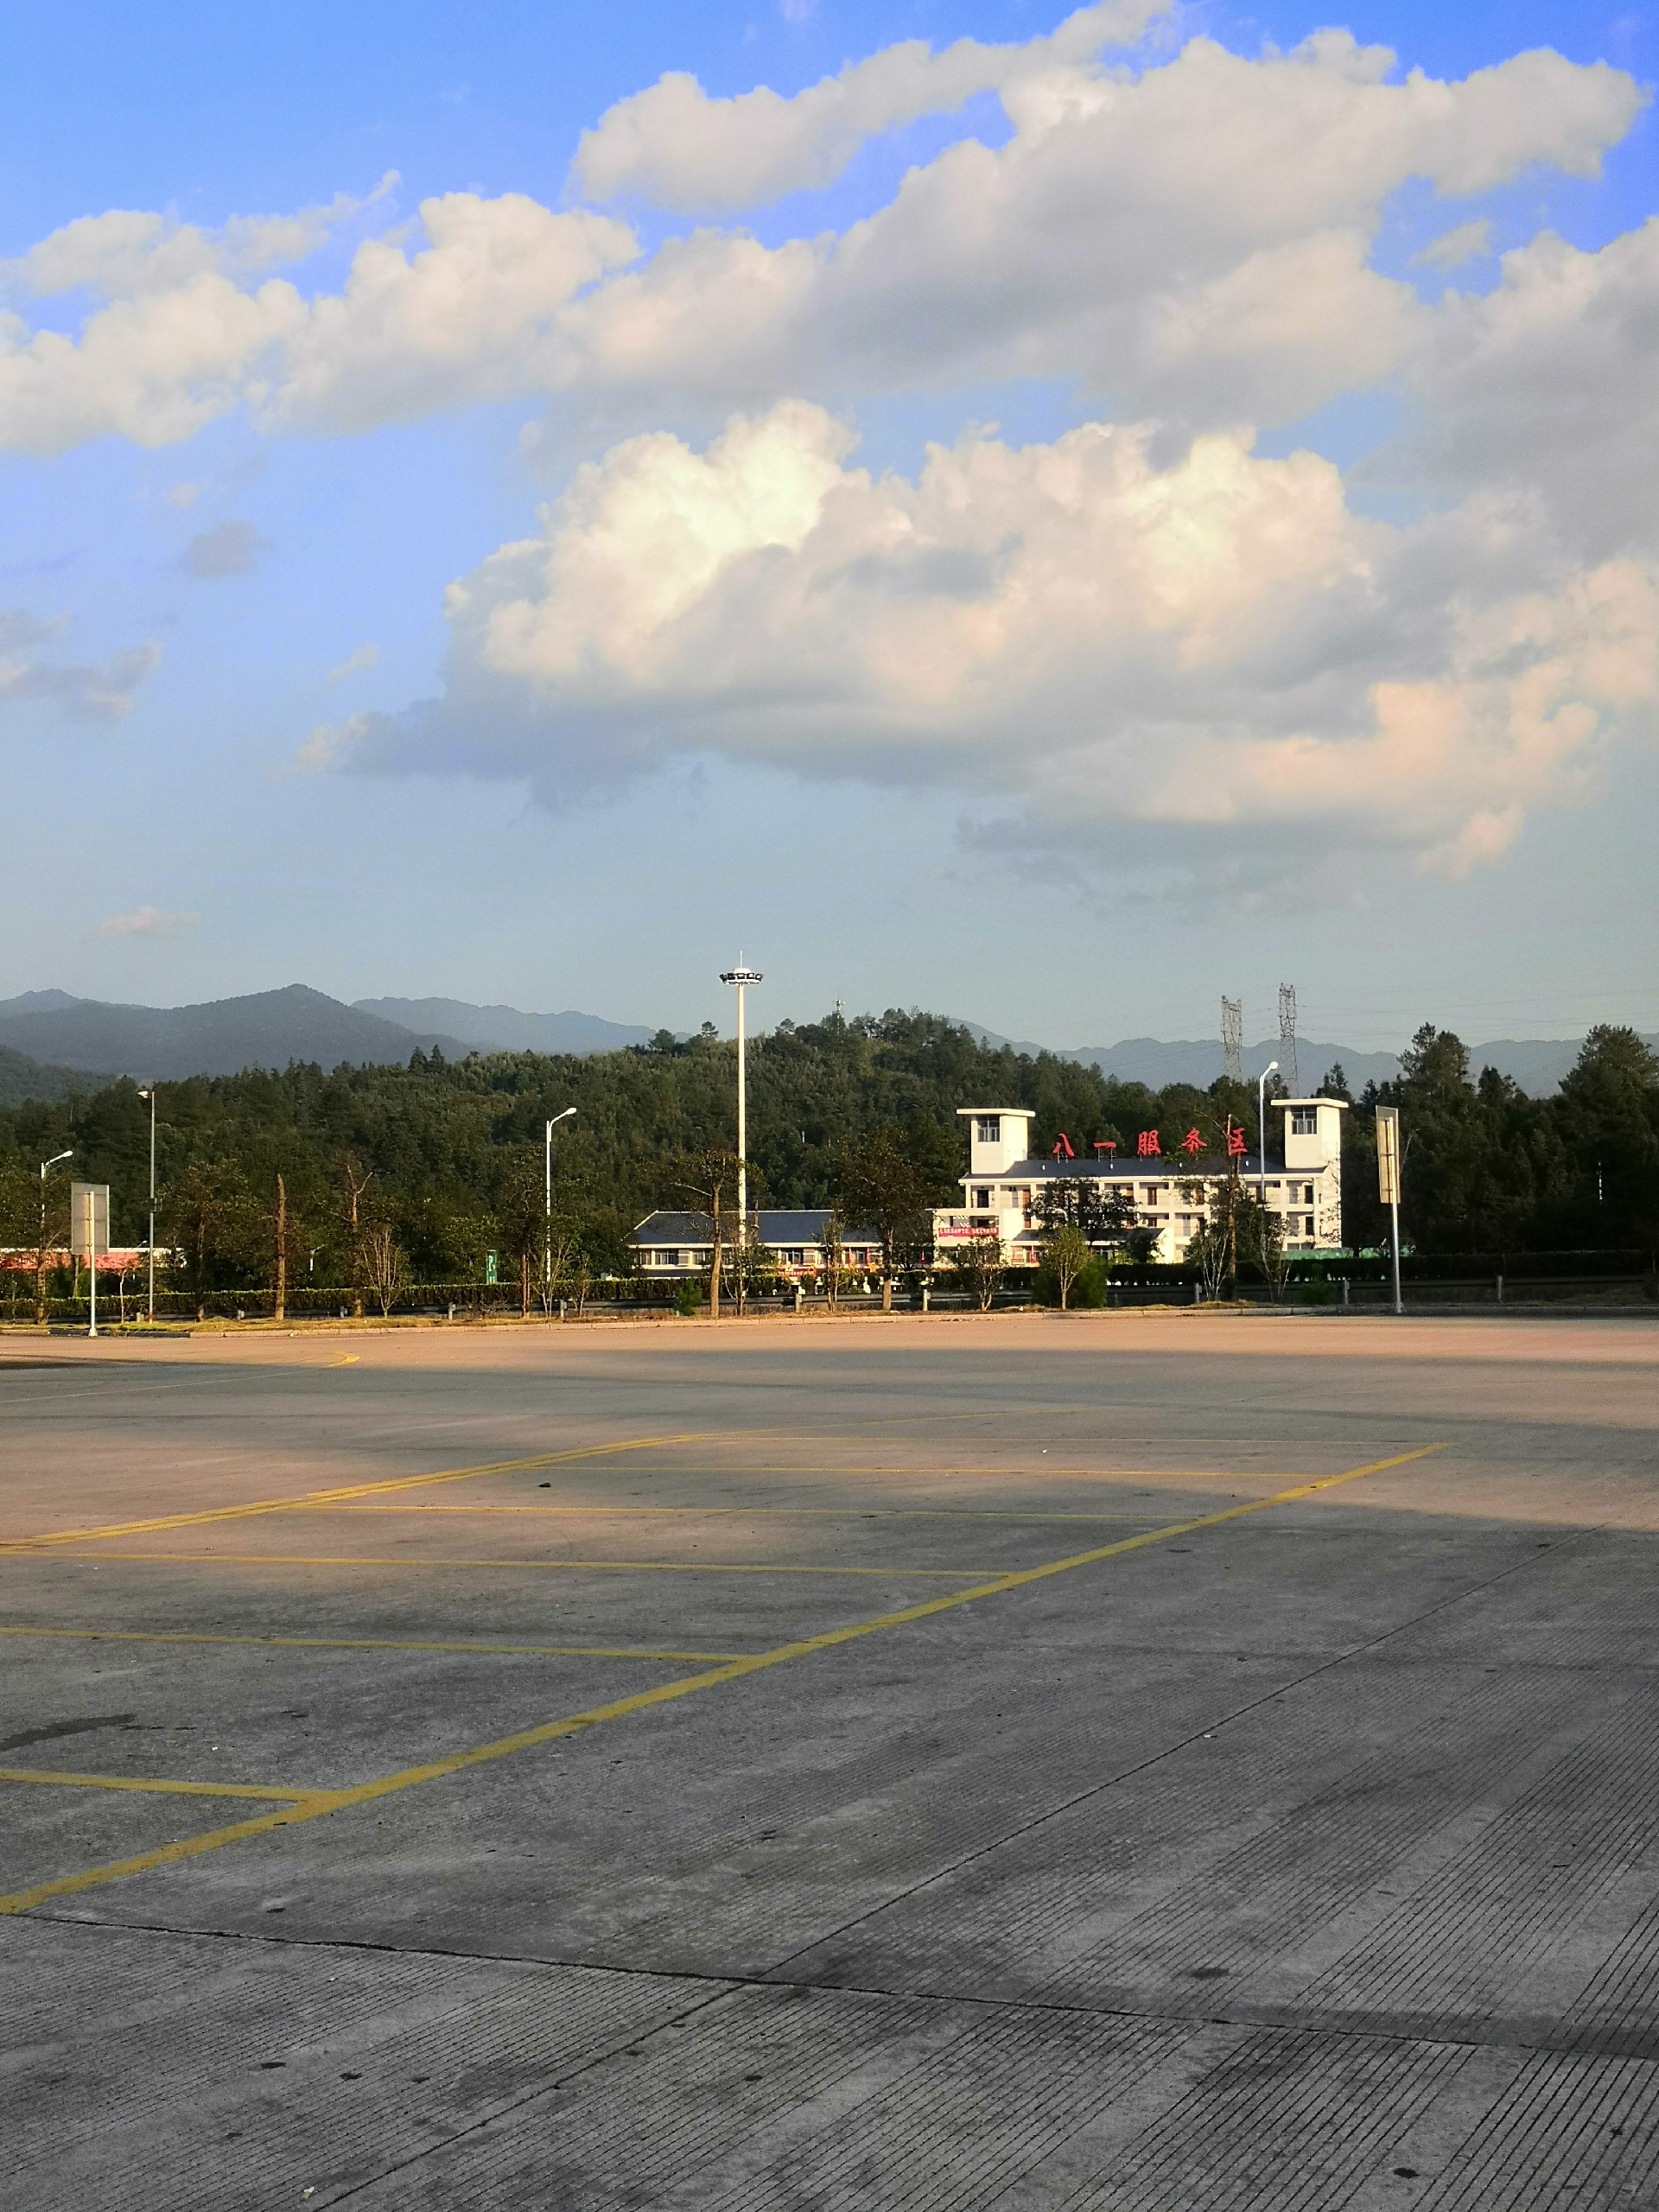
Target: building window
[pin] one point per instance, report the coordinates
(1307, 1194)
(981, 1198)
(796, 1256)
(987, 1129)
(1022, 1198)
(665, 1259)
(1304, 1122)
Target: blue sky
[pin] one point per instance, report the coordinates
(1278, 605)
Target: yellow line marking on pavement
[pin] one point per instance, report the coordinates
(365, 1793)
(350, 1360)
(594, 1565)
(258, 1506)
(163, 1789)
(750, 1512)
(377, 1644)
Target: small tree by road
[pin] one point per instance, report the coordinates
(978, 1265)
(883, 1191)
(709, 1179)
(1067, 1253)
(384, 1266)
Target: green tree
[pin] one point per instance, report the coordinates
(1067, 1253)
(211, 1222)
(977, 1263)
(884, 1191)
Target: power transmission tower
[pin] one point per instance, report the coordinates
(1232, 1040)
(1287, 1039)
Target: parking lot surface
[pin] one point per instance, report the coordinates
(1114, 1761)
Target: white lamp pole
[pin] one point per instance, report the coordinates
(151, 1095)
(547, 1248)
(742, 977)
(1272, 1068)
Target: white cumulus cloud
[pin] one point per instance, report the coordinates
(1221, 642)
(675, 145)
(147, 921)
(1193, 239)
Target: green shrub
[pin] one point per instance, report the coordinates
(1088, 1289)
(688, 1298)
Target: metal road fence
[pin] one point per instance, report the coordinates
(1581, 1281)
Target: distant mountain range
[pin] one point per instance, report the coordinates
(267, 1029)
(1536, 1064)
(505, 1028)
(51, 1042)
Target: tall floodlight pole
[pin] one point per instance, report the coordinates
(151, 1095)
(1272, 1068)
(547, 1248)
(742, 977)
(1387, 1184)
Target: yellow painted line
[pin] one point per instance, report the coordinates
(329, 1497)
(315, 1807)
(161, 1788)
(350, 1360)
(557, 1565)
(374, 1643)
(748, 1512)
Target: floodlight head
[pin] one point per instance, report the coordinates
(56, 1157)
(740, 976)
(557, 1118)
(1272, 1068)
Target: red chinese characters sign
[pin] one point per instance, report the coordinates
(1147, 1146)
(1235, 1143)
(1191, 1144)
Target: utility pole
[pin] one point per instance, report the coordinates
(547, 1245)
(150, 1308)
(742, 977)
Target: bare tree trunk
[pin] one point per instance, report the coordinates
(355, 1187)
(280, 1305)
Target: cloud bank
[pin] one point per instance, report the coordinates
(1221, 642)
(1193, 239)
(1144, 622)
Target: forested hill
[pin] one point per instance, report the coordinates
(451, 1147)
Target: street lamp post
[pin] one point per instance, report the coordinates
(40, 1280)
(742, 977)
(547, 1247)
(151, 1095)
(1272, 1068)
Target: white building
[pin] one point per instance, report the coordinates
(1303, 1185)
(1003, 1182)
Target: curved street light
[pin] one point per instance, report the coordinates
(547, 1244)
(1272, 1068)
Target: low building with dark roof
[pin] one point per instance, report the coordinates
(669, 1244)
